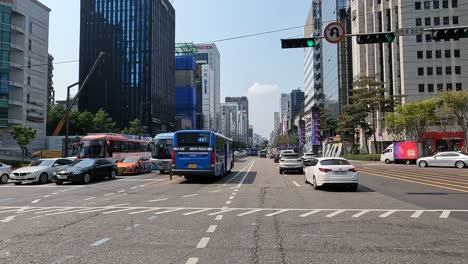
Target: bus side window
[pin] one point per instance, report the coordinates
(125, 147)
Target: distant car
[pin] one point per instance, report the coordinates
(290, 162)
(86, 171)
(75, 158)
(39, 171)
(286, 152)
(263, 154)
(330, 171)
(444, 159)
(5, 171)
(307, 157)
(133, 165)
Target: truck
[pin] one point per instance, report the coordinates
(401, 152)
(46, 154)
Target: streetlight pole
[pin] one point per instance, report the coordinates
(67, 117)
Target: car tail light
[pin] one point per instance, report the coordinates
(324, 170)
(213, 158)
(353, 170)
(173, 157)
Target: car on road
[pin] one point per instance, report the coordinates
(39, 171)
(286, 152)
(5, 171)
(263, 154)
(86, 171)
(276, 159)
(291, 162)
(331, 171)
(444, 159)
(133, 165)
(307, 157)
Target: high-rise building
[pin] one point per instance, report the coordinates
(243, 105)
(297, 103)
(186, 93)
(285, 106)
(232, 110)
(277, 121)
(208, 98)
(209, 54)
(137, 76)
(50, 82)
(24, 68)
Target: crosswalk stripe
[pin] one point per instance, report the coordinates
(417, 214)
(222, 211)
(95, 210)
(310, 213)
(249, 212)
(144, 211)
(445, 214)
(67, 212)
(335, 213)
(120, 210)
(168, 211)
(363, 212)
(388, 213)
(198, 211)
(276, 213)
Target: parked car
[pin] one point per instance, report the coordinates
(331, 171)
(5, 171)
(133, 165)
(86, 171)
(290, 162)
(444, 159)
(39, 171)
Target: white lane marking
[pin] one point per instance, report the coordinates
(224, 208)
(107, 194)
(115, 197)
(54, 210)
(6, 199)
(219, 217)
(363, 212)
(192, 261)
(144, 211)
(46, 196)
(121, 191)
(277, 212)
(152, 217)
(11, 210)
(100, 242)
(120, 210)
(141, 186)
(68, 212)
(8, 219)
(36, 201)
(203, 242)
(196, 212)
(54, 193)
(157, 200)
(297, 184)
(388, 213)
(132, 227)
(417, 214)
(168, 211)
(245, 176)
(222, 211)
(95, 210)
(335, 213)
(233, 187)
(310, 213)
(91, 203)
(62, 260)
(216, 191)
(228, 202)
(133, 188)
(89, 198)
(231, 197)
(445, 214)
(249, 212)
(211, 229)
(236, 190)
(235, 176)
(234, 193)
(190, 195)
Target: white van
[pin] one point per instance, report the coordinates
(387, 155)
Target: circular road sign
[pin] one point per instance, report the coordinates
(334, 32)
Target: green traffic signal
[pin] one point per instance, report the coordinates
(297, 43)
(310, 43)
(373, 38)
(390, 37)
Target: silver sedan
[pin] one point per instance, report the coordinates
(444, 159)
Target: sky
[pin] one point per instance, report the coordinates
(256, 67)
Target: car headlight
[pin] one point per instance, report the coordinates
(55, 173)
(129, 167)
(76, 172)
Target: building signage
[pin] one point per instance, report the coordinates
(204, 47)
(7, 1)
(409, 31)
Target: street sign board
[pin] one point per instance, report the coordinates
(409, 31)
(334, 32)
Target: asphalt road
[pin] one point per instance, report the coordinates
(400, 214)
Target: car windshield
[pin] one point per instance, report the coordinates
(334, 162)
(84, 163)
(130, 159)
(289, 156)
(46, 163)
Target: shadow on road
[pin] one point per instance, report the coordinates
(344, 188)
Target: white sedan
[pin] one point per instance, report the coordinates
(39, 171)
(330, 171)
(5, 170)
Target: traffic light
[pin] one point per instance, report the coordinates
(297, 43)
(450, 33)
(375, 38)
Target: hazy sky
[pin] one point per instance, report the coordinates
(255, 67)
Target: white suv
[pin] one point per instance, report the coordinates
(290, 162)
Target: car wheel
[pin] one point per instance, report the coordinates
(387, 161)
(301, 171)
(305, 179)
(86, 178)
(422, 164)
(460, 164)
(162, 171)
(4, 179)
(314, 183)
(43, 179)
(136, 171)
(280, 171)
(113, 175)
(353, 187)
(59, 183)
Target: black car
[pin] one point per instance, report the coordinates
(85, 171)
(277, 158)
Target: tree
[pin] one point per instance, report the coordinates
(456, 103)
(327, 123)
(103, 123)
(54, 115)
(85, 122)
(135, 128)
(23, 136)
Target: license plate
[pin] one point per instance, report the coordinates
(340, 172)
(192, 166)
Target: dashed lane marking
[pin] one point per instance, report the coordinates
(169, 211)
(107, 194)
(203, 242)
(211, 229)
(144, 211)
(121, 191)
(215, 191)
(231, 197)
(228, 202)
(198, 211)
(89, 198)
(8, 219)
(190, 195)
(219, 217)
(99, 242)
(36, 201)
(295, 183)
(192, 261)
(157, 200)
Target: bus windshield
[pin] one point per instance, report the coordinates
(193, 139)
(92, 149)
(162, 149)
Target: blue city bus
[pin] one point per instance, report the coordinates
(254, 151)
(162, 153)
(199, 153)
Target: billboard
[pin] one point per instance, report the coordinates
(405, 150)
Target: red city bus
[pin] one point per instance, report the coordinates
(113, 146)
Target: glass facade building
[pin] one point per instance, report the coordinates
(5, 41)
(137, 76)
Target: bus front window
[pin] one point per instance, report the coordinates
(92, 149)
(163, 149)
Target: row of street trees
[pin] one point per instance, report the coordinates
(81, 123)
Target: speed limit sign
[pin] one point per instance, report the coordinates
(334, 32)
